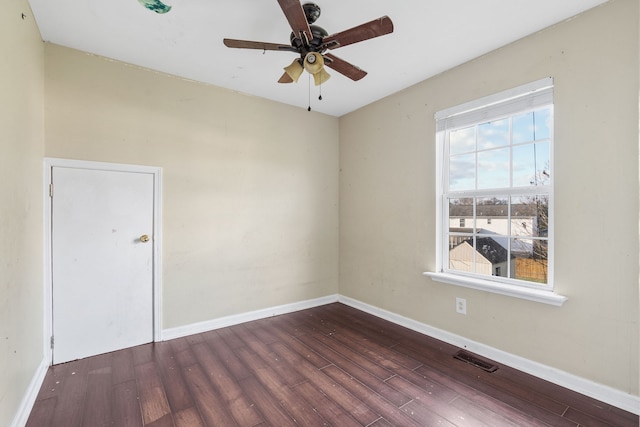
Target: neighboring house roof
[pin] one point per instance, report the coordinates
(493, 211)
(520, 247)
(491, 250)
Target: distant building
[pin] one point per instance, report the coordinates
(491, 257)
(492, 242)
(495, 218)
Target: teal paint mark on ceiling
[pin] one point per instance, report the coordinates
(155, 5)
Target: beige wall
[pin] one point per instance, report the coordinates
(250, 187)
(21, 150)
(250, 214)
(387, 200)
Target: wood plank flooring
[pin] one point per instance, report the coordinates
(327, 366)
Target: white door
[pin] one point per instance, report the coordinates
(102, 262)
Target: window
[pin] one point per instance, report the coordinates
(495, 179)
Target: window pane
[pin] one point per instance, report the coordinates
(493, 169)
(462, 172)
(531, 164)
(456, 239)
(462, 140)
(492, 215)
(542, 119)
(493, 134)
(534, 266)
(530, 216)
(523, 128)
(532, 126)
(461, 210)
(491, 257)
(461, 256)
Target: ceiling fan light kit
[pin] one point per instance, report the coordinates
(314, 64)
(311, 42)
(292, 72)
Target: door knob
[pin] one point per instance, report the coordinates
(144, 238)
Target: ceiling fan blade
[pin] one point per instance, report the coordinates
(285, 78)
(377, 27)
(343, 67)
(295, 15)
(247, 44)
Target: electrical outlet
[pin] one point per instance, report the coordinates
(461, 305)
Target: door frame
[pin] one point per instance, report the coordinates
(48, 164)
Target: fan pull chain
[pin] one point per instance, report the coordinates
(309, 94)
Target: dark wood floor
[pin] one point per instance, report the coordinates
(331, 365)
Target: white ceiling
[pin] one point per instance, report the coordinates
(430, 36)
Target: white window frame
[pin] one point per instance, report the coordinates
(506, 103)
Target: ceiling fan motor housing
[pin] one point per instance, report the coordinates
(311, 11)
(317, 34)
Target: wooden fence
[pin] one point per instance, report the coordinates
(531, 270)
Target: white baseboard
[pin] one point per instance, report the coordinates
(222, 322)
(581, 385)
(29, 399)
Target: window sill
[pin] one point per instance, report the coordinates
(537, 295)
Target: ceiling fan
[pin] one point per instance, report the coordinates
(311, 42)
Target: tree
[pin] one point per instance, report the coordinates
(539, 204)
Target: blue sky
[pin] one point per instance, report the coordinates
(529, 149)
